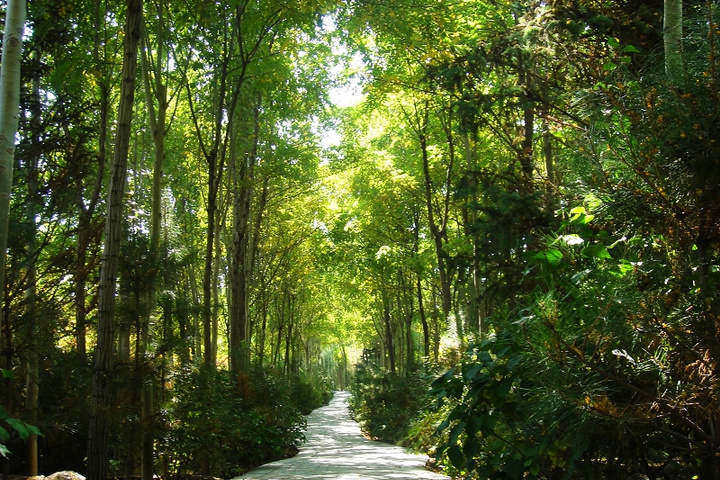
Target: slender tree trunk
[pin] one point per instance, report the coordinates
(672, 39)
(262, 333)
(7, 381)
(475, 287)
(158, 129)
(9, 116)
(98, 429)
(213, 185)
(241, 256)
(284, 306)
(526, 153)
(220, 226)
(32, 203)
(436, 326)
(418, 287)
(288, 338)
(86, 213)
(389, 341)
(423, 319)
(437, 233)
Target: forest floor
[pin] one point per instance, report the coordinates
(336, 449)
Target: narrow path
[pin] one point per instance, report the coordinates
(335, 449)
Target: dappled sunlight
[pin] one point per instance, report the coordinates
(336, 448)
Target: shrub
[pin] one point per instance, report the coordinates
(594, 375)
(211, 428)
(386, 404)
(310, 392)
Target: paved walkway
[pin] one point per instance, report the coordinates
(335, 449)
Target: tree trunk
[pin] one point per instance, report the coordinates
(32, 205)
(437, 233)
(158, 129)
(86, 213)
(672, 39)
(213, 185)
(475, 320)
(9, 116)
(242, 255)
(389, 341)
(423, 319)
(288, 338)
(220, 226)
(98, 428)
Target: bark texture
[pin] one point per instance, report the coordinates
(98, 429)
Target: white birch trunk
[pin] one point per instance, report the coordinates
(672, 39)
(9, 113)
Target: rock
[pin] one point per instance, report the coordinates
(65, 475)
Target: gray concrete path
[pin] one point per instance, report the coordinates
(335, 449)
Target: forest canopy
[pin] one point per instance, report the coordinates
(496, 222)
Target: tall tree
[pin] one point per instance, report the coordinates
(156, 91)
(9, 114)
(672, 38)
(98, 428)
(31, 311)
(88, 197)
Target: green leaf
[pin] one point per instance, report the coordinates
(551, 255)
(4, 451)
(470, 371)
(609, 67)
(6, 373)
(630, 49)
(456, 457)
(485, 358)
(579, 216)
(455, 433)
(613, 42)
(19, 427)
(445, 423)
(598, 250)
(4, 435)
(474, 426)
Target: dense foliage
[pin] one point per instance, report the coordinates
(385, 404)
(586, 260)
(523, 195)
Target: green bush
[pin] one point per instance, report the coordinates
(594, 375)
(386, 404)
(310, 392)
(210, 428)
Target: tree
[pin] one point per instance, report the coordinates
(9, 112)
(98, 429)
(672, 39)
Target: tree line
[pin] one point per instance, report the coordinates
(154, 144)
(522, 206)
(548, 182)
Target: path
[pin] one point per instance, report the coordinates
(335, 449)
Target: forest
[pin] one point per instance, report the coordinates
(495, 222)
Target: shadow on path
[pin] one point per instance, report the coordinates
(336, 449)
